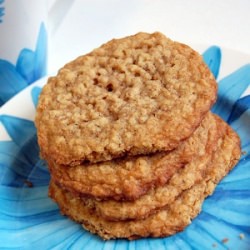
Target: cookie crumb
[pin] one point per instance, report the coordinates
(225, 240)
(242, 236)
(214, 245)
(244, 152)
(28, 183)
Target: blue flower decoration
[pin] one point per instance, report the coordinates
(1, 11)
(30, 66)
(30, 220)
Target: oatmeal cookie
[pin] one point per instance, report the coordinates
(168, 221)
(129, 178)
(157, 198)
(136, 95)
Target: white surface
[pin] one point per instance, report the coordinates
(20, 27)
(86, 24)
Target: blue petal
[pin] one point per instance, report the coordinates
(25, 65)
(39, 175)
(198, 237)
(155, 243)
(239, 108)
(212, 57)
(32, 65)
(46, 234)
(18, 202)
(23, 133)
(10, 222)
(40, 66)
(237, 176)
(230, 90)
(237, 185)
(9, 148)
(220, 230)
(70, 241)
(13, 171)
(23, 194)
(11, 81)
(241, 126)
(93, 242)
(15, 168)
(237, 206)
(181, 242)
(64, 229)
(172, 241)
(23, 162)
(236, 181)
(1, 11)
(35, 92)
(86, 239)
(19, 129)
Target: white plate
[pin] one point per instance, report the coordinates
(30, 220)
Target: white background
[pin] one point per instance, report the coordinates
(20, 26)
(78, 26)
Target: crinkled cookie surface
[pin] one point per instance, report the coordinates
(135, 95)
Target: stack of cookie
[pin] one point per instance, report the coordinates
(131, 145)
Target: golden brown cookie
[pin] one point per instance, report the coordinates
(171, 219)
(156, 198)
(131, 177)
(136, 95)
